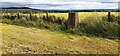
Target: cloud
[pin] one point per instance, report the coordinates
(67, 4)
(52, 1)
(66, 1)
(76, 6)
(14, 1)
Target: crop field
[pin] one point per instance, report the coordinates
(37, 33)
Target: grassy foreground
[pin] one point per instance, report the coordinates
(22, 40)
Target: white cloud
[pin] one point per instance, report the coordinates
(52, 1)
(68, 4)
(14, 1)
(66, 1)
(77, 6)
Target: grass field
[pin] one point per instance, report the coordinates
(35, 34)
(21, 40)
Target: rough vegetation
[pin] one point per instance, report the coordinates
(22, 40)
(89, 26)
(37, 33)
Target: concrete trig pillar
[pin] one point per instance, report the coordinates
(73, 19)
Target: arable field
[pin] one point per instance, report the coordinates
(22, 40)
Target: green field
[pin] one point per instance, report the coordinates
(22, 40)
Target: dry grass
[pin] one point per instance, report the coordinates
(21, 40)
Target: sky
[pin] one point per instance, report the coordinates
(62, 4)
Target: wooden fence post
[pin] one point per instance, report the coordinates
(18, 15)
(73, 19)
(109, 18)
(30, 16)
(47, 15)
